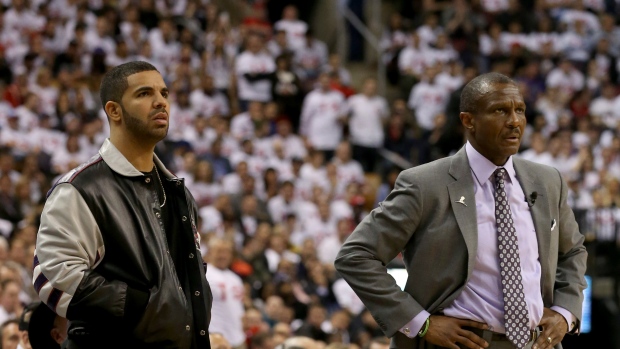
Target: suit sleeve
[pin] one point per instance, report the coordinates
(69, 246)
(373, 244)
(569, 279)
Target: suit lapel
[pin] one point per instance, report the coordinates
(465, 214)
(540, 211)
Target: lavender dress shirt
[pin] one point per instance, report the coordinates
(482, 300)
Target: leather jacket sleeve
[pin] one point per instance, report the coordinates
(69, 247)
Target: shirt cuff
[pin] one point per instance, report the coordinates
(414, 326)
(571, 320)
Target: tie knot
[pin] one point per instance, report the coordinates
(500, 172)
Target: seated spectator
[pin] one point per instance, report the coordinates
(227, 289)
(9, 334)
(311, 327)
(10, 306)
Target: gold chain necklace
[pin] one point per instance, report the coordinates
(161, 184)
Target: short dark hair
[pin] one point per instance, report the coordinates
(476, 88)
(114, 82)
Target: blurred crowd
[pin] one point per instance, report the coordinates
(283, 148)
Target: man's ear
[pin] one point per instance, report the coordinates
(467, 119)
(114, 110)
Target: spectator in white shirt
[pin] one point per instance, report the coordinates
(567, 78)
(28, 112)
(207, 101)
(99, 37)
(47, 93)
(328, 249)
(119, 56)
(202, 185)
(10, 305)
(575, 44)
(243, 125)
(13, 137)
(348, 170)
(253, 68)
(68, 156)
(427, 99)
(218, 61)
(452, 78)
(227, 291)
(430, 30)
(310, 58)
(606, 107)
(368, 113)
(411, 63)
(293, 144)
(165, 45)
(294, 28)
(322, 117)
(283, 204)
(578, 13)
(538, 150)
(279, 162)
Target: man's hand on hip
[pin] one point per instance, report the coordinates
(446, 331)
(554, 329)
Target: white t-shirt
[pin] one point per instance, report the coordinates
(320, 118)
(47, 98)
(536, 41)
(570, 16)
(293, 146)
(574, 46)
(412, 59)
(568, 83)
(311, 58)
(19, 140)
(428, 100)
(493, 6)
(366, 123)
(212, 220)
(204, 193)
(295, 31)
(251, 63)
(328, 249)
(279, 209)
(47, 140)
(182, 118)
(241, 126)
(450, 82)
(227, 311)
(349, 172)
(605, 109)
(200, 141)
(27, 118)
(94, 41)
(209, 105)
(347, 298)
(428, 35)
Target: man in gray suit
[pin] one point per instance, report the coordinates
(493, 252)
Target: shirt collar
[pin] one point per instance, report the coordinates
(119, 163)
(483, 168)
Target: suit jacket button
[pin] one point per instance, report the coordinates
(202, 332)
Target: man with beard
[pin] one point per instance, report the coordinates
(118, 249)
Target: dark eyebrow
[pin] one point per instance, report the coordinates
(148, 89)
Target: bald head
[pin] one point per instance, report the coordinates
(480, 86)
